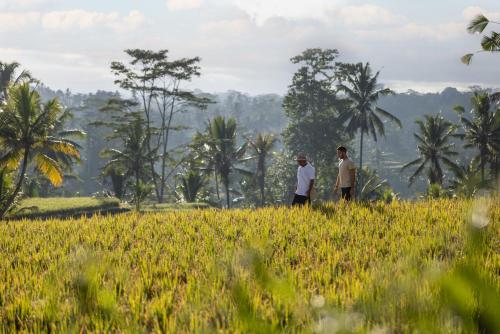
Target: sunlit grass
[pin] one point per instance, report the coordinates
(336, 267)
(35, 206)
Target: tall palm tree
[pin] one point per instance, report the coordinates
(221, 152)
(133, 158)
(25, 137)
(488, 43)
(482, 131)
(262, 146)
(363, 91)
(434, 147)
(8, 77)
(192, 182)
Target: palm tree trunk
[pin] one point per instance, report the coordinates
(137, 204)
(360, 181)
(482, 167)
(18, 186)
(228, 199)
(262, 176)
(217, 185)
(262, 191)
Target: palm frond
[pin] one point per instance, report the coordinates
(12, 159)
(411, 163)
(49, 168)
(478, 24)
(72, 133)
(59, 146)
(467, 59)
(389, 116)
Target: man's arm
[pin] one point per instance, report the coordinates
(311, 185)
(337, 183)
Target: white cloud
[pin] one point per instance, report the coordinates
(81, 19)
(263, 10)
(440, 32)
(184, 4)
(70, 20)
(56, 68)
(22, 4)
(368, 15)
(322, 10)
(132, 21)
(472, 11)
(226, 27)
(15, 21)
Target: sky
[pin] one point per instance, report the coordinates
(246, 45)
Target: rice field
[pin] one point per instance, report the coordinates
(365, 268)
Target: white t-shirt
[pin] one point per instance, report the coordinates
(304, 176)
(345, 168)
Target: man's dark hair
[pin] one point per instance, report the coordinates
(342, 149)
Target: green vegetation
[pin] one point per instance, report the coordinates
(435, 148)
(26, 138)
(33, 207)
(489, 43)
(400, 267)
(363, 115)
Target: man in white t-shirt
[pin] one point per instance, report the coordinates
(346, 179)
(305, 181)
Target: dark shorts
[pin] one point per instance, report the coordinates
(300, 200)
(346, 193)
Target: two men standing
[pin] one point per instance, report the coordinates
(346, 179)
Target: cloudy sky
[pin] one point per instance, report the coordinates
(246, 44)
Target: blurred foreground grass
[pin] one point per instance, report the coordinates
(402, 267)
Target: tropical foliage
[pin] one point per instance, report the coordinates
(489, 43)
(218, 148)
(435, 147)
(262, 147)
(9, 77)
(363, 115)
(131, 159)
(482, 131)
(26, 138)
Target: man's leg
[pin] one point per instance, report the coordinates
(299, 200)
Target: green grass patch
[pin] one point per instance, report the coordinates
(43, 207)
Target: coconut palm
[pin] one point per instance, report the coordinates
(131, 159)
(482, 131)
(9, 77)
(363, 91)
(489, 43)
(219, 149)
(25, 137)
(434, 147)
(192, 182)
(262, 146)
